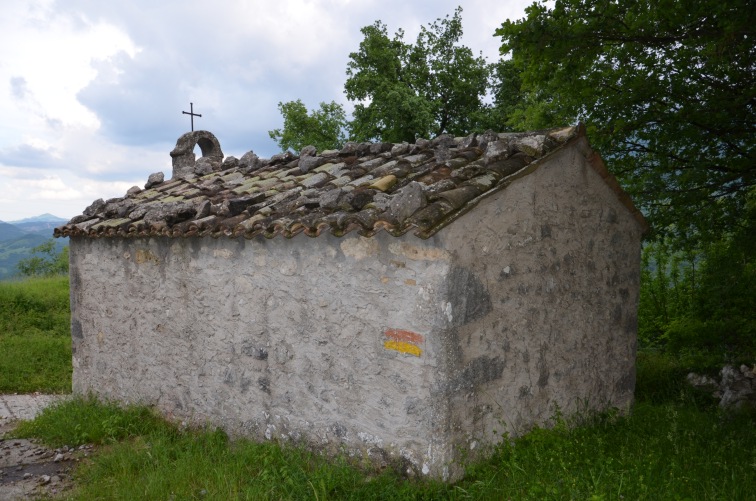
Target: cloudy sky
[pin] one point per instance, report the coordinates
(91, 91)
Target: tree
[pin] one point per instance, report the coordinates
(513, 108)
(45, 261)
(668, 91)
(323, 128)
(404, 91)
(702, 300)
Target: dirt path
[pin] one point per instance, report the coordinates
(27, 469)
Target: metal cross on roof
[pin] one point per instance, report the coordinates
(191, 114)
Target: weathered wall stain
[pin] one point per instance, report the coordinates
(469, 298)
(146, 256)
(481, 370)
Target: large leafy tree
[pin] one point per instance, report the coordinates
(667, 89)
(323, 128)
(403, 90)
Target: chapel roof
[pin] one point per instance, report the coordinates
(364, 187)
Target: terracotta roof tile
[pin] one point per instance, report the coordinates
(364, 187)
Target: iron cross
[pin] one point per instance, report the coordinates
(191, 114)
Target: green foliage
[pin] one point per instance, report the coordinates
(404, 91)
(16, 249)
(703, 301)
(667, 279)
(668, 90)
(661, 378)
(35, 340)
(728, 275)
(46, 261)
(323, 128)
(518, 107)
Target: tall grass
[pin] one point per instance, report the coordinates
(35, 339)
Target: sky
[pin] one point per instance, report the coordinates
(91, 91)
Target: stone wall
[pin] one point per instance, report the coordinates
(735, 389)
(544, 295)
(276, 338)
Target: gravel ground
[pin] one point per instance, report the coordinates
(27, 469)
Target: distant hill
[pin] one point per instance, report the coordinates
(42, 225)
(18, 238)
(46, 218)
(9, 232)
(44, 228)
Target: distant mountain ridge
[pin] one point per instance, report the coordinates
(38, 227)
(10, 232)
(18, 238)
(44, 218)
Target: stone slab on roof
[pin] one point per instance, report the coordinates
(364, 187)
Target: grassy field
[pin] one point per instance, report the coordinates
(35, 339)
(675, 445)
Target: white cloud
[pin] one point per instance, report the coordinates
(49, 188)
(53, 59)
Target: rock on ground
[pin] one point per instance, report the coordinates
(27, 469)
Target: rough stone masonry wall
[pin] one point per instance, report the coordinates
(322, 338)
(548, 321)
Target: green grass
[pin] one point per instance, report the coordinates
(145, 457)
(661, 452)
(35, 339)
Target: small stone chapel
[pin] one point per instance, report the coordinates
(407, 303)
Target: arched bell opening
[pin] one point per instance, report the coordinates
(184, 155)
